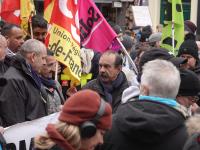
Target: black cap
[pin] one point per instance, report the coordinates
(117, 29)
(127, 41)
(160, 53)
(190, 84)
(189, 47)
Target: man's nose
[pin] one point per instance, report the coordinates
(44, 62)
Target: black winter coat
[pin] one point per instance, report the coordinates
(146, 125)
(95, 85)
(21, 99)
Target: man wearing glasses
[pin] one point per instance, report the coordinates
(188, 94)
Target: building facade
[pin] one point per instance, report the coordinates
(116, 10)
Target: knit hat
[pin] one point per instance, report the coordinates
(193, 143)
(190, 26)
(117, 29)
(160, 53)
(83, 106)
(189, 47)
(127, 41)
(155, 37)
(190, 84)
(80, 107)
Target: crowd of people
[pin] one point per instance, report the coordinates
(152, 103)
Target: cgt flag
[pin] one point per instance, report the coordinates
(17, 12)
(173, 12)
(64, 37)
(10, 11)
(95, 32)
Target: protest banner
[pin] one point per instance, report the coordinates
(64, 37)
(20, 136)
(141, 16)
(95, 32)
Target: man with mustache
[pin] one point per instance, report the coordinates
(111, 81)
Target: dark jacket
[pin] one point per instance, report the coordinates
(95, 65)
(116, 94)
(146, 125)
(21, 99)
(197, 69)
(4, 65)
(54, 97)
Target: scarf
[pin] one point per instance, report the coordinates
(170, 102)
(109, 88)
(48, 82)
(35, 77)
(167, 101)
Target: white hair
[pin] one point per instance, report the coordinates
(162, 78)
(32, 45)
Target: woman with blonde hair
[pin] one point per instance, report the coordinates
(83, 121)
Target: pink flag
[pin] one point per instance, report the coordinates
(95, 32)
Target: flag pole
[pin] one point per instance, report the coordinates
(30, 24)
(173, 44)
(129, 58)
(56, 72)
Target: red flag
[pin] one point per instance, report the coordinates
(10, 11)
(64, 37)
(46, 3)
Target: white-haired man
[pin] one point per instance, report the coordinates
(152, 122)
(23, 97)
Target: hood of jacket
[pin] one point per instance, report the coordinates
(147, 121)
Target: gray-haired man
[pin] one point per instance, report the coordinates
(23, 99)
(152, 122)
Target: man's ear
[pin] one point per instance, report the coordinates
(31, 57)
(144, 90)
(8, 40)
(120, 68)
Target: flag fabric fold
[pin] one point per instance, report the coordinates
(95, 32)
(173, 15)
(48, 8)
(64, 37)
(10, 11)
(17, 12)
(27, 10)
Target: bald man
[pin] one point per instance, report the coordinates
(3, 46)
(4, 61)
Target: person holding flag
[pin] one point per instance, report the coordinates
(78, 22)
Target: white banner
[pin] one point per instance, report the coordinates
(18, 137)
(141, 16)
